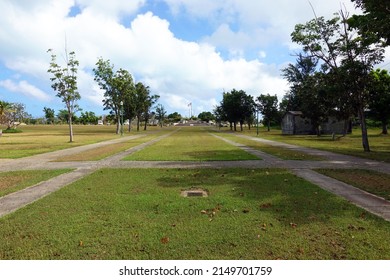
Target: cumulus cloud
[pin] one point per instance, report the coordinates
(26, 89)
(180, 71)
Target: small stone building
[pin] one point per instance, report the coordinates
(294, 123)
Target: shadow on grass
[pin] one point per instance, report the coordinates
(277, 192)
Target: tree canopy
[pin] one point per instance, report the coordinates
(65, 84)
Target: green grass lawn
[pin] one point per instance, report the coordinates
(349, 145)
(139, 214)
(37, 139)
(280, 152)
(373, 182)
(191, 144)
(106, 151)
(16, 180)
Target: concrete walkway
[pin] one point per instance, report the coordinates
(304, 169)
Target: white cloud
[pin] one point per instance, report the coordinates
(179, 71)
(28, 90)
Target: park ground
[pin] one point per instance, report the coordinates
(111, 197)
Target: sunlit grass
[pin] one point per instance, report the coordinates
(139, 214)
(37, 139)
(13, 181)
(373, 182)
(349, 145)
(191, 144)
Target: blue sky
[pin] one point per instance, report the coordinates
(185, 50)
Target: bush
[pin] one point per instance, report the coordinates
(12, 130)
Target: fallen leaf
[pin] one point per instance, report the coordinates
(164, 240)
(266, 205)
(293, 225)
(81, 243)
(203, 212)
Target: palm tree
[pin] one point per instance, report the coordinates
(5, 109)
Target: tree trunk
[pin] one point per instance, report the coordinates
(363, 126)
(70, 128)
(269, 125)
(138, 121)
(235, 126)
(241, 128)
(129, 125)
(146, 122)
(384, 128)
(118, 124)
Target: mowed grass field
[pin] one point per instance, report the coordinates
(139, 214)
(191, 144)
(349, 145)
(38, 139)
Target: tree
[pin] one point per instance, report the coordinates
(268, 107)
(141, 94)
(118, 87)
(88, 118)
(65, 83)
(206, 116)
(379, 91)
(174, 117)
(143, 103)
(49, 115)
(349, 58)
(160, 114)
(150, 101)
(5, 111)
(236, 106)
(375, 19)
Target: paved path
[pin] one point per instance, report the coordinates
(304, 169)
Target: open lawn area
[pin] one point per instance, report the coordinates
(279, 152)
(139, 214)
(191, 144)
(38, 139)
(349, 145)
(16, 180)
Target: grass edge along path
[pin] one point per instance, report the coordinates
(139, 214)
(13, 181)
(277, 151)
(374, 182)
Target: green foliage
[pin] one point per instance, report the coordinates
(374, 23)
(160, 114)
(268, 107)
(88, 118)
(236, 107)
(118, 88)
(346, 61)
(206, 116)
(379, 91)
(174, 117)
(64, 82)
(49, 115)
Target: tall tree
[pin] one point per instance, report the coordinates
(140, 99)
(160, 114)
(375, 19)
(349, 57)
(6, 109)
(49, 115)
(379, 103)
(268, 107)
(150, 101)
(65, 83)
(117, 86)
